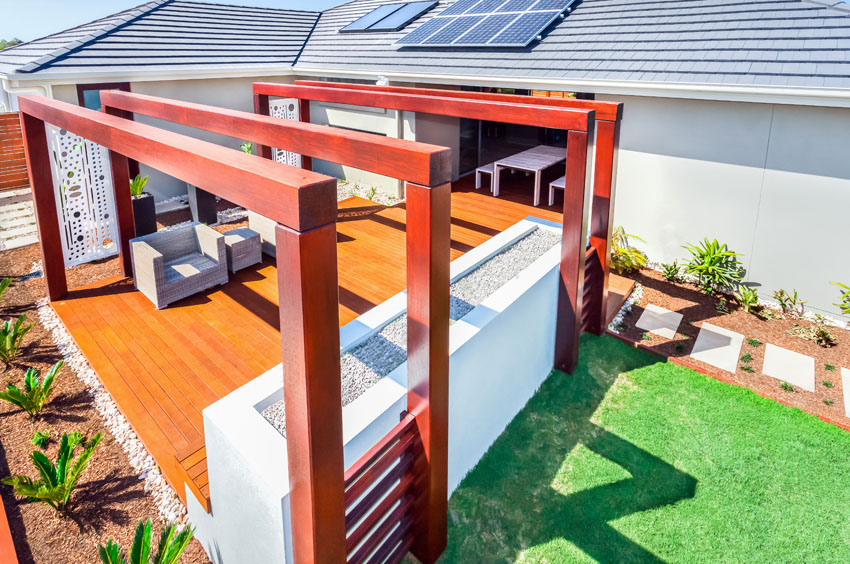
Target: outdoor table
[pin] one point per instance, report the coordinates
(536, 160)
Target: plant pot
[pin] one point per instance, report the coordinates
(144, 214)
(203, 205)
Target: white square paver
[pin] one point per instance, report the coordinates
(795, 368)
(718, 347)
(845, 385)
(659, 321)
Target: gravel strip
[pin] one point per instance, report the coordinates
(382, 353)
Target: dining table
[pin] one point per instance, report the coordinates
(534, 161)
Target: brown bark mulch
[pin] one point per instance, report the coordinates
(110, 500)
(698, 308)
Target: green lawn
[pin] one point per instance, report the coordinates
(636, 460)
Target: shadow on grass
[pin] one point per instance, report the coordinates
(512, 499)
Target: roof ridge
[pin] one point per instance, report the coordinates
(131, 15)
(246, 6)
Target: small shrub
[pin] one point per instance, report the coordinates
(137, 185)
(844, 300)
(625, 257)
(171, 546)
(768, 314)
(57, 481)
(11, 337)
(827, 384)
(672, 272)
(755, 343)
(790, 303)
(40, 438)
(829, 368)
(370, 195)
(721, 306)
(34, 395)
(247, 147)
(714, 265)
(747, 368)
(747, 298)
(828, 401)
(786, 386)
(646, 337)
(747, 358)
(817, 333)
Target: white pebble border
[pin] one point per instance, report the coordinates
(164, 496)
(627, 306)
(346, 189)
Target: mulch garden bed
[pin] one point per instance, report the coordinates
(698, 308)
(110, 499)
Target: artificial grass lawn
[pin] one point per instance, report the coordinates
(633, 459)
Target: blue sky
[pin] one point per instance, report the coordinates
(31, 19)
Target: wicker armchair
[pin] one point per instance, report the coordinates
(265, 227)
(174, 264)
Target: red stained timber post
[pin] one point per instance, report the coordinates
(121, 173)
(605, 180)
(261, 107)
(309, 326)
(428, 257)
(571, 282)
(44, 199)
(304, 117)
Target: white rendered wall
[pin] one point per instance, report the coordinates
(772, 181)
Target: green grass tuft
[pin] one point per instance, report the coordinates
(827, 384)
(747, 358)
(632, 459)
(755, 343)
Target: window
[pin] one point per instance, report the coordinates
(389, 17)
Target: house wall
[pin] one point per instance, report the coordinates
(772, 181)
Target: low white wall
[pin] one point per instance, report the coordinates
(772, 181)
(493, 371)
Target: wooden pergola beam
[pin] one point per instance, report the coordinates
(421, 163)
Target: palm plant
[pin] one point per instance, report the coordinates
(625, 257)
(11, 336)
(137, 185)
(844, 302)
(57, 481)
(714, 265)
(172, 544)
(34, 395)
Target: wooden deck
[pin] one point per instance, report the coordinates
(164, 367)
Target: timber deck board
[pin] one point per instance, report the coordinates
(163, 367)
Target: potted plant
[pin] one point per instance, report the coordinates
(144, 210)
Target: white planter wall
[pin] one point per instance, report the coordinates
(772, 181)
(500, 353)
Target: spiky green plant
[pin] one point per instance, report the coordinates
(137, 185)
(57, 481)
(172, 544)
(11, 336)
(714, 264)
(40, 438)
(625, 257)
(247, 147)
(34, 395)
(747, 298)
(844, 303)
(790, 302)
(3, 285)
(672, 272)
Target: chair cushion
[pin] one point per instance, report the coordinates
(187, 266)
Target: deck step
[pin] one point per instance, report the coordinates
(193, 461)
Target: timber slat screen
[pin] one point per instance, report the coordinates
(13, 162)
(609, 116)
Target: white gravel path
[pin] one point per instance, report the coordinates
(382, 353)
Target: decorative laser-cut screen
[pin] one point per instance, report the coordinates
(85, 201)
(285, 108)
(487, 23)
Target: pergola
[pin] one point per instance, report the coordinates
(325, 498)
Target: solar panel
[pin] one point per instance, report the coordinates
(390, 17)
(487, 23)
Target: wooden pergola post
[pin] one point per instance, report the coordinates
(44, 200)
(309, 328)
(261, 107)
(428, 260)
(123, 208)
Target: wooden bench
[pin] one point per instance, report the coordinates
(484, 169)
(559, 184)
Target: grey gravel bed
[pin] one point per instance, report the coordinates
(385, 351)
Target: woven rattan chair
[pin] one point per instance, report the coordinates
(177, 263)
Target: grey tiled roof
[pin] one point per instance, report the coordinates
(767, 42)
(168, 34)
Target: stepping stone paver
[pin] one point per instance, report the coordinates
(789, 366)
(718, 347)
(845, 385)
(659, 321)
